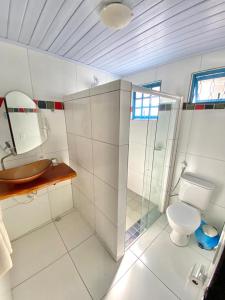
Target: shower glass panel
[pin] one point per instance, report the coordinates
(151, 146)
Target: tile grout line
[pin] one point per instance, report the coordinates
(42, 269)
(97, 140)
(178, 297)
(68, 253)
(53, 262)
(73, 248)
(40, 226)
(92, 161)
(89, 95)
(137, 259)
(114, 285)
(93, 174)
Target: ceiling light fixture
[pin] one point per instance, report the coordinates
(116, 15)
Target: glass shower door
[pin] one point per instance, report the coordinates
(151, 145)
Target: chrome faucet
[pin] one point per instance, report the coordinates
(12, 152)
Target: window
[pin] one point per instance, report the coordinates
(208, 86)
(146, 106)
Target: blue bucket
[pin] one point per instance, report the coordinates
(207, 236)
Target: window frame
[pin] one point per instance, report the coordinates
(150, 85)
(207, 74)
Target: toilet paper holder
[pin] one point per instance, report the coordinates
(198, 275)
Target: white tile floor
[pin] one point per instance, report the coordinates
(65, 261)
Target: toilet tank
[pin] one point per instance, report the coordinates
(195, 190)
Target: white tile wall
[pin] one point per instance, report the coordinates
(123, 164)
(101, 159)
(60, 200)
(185, 126)
(150, 156)
(201, 140)
(81, 117)
(213, 170)
(57, 140)
(83, 153)
(106, 199)
(206, 136)
(107, 232)
(106, 160)
(86, 208)
(106, 116)
(45, 77)
(201, 145)
(137, 157)
(85, 182)
(125, 101)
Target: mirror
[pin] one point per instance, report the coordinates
(25, 122)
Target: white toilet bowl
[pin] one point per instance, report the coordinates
(184, 219)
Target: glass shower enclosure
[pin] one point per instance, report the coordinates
(152, 144)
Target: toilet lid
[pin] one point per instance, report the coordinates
(184, 215)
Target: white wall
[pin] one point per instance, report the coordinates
(43, 77)
(201, 140)
(98, 130)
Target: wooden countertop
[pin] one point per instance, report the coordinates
(54, 175)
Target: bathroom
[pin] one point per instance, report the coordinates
(99, 229)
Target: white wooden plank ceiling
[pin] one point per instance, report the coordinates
(160, 31)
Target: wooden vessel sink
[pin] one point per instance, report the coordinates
(25, 173)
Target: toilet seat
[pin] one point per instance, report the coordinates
(183, 217)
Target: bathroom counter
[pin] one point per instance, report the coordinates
(54, 175)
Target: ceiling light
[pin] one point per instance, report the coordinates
(116, 15)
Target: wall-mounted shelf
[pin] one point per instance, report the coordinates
(54, 175)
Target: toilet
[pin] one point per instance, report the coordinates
(184, 216)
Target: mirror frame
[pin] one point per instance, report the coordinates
(10, 123)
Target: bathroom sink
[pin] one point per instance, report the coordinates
(25, 173)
